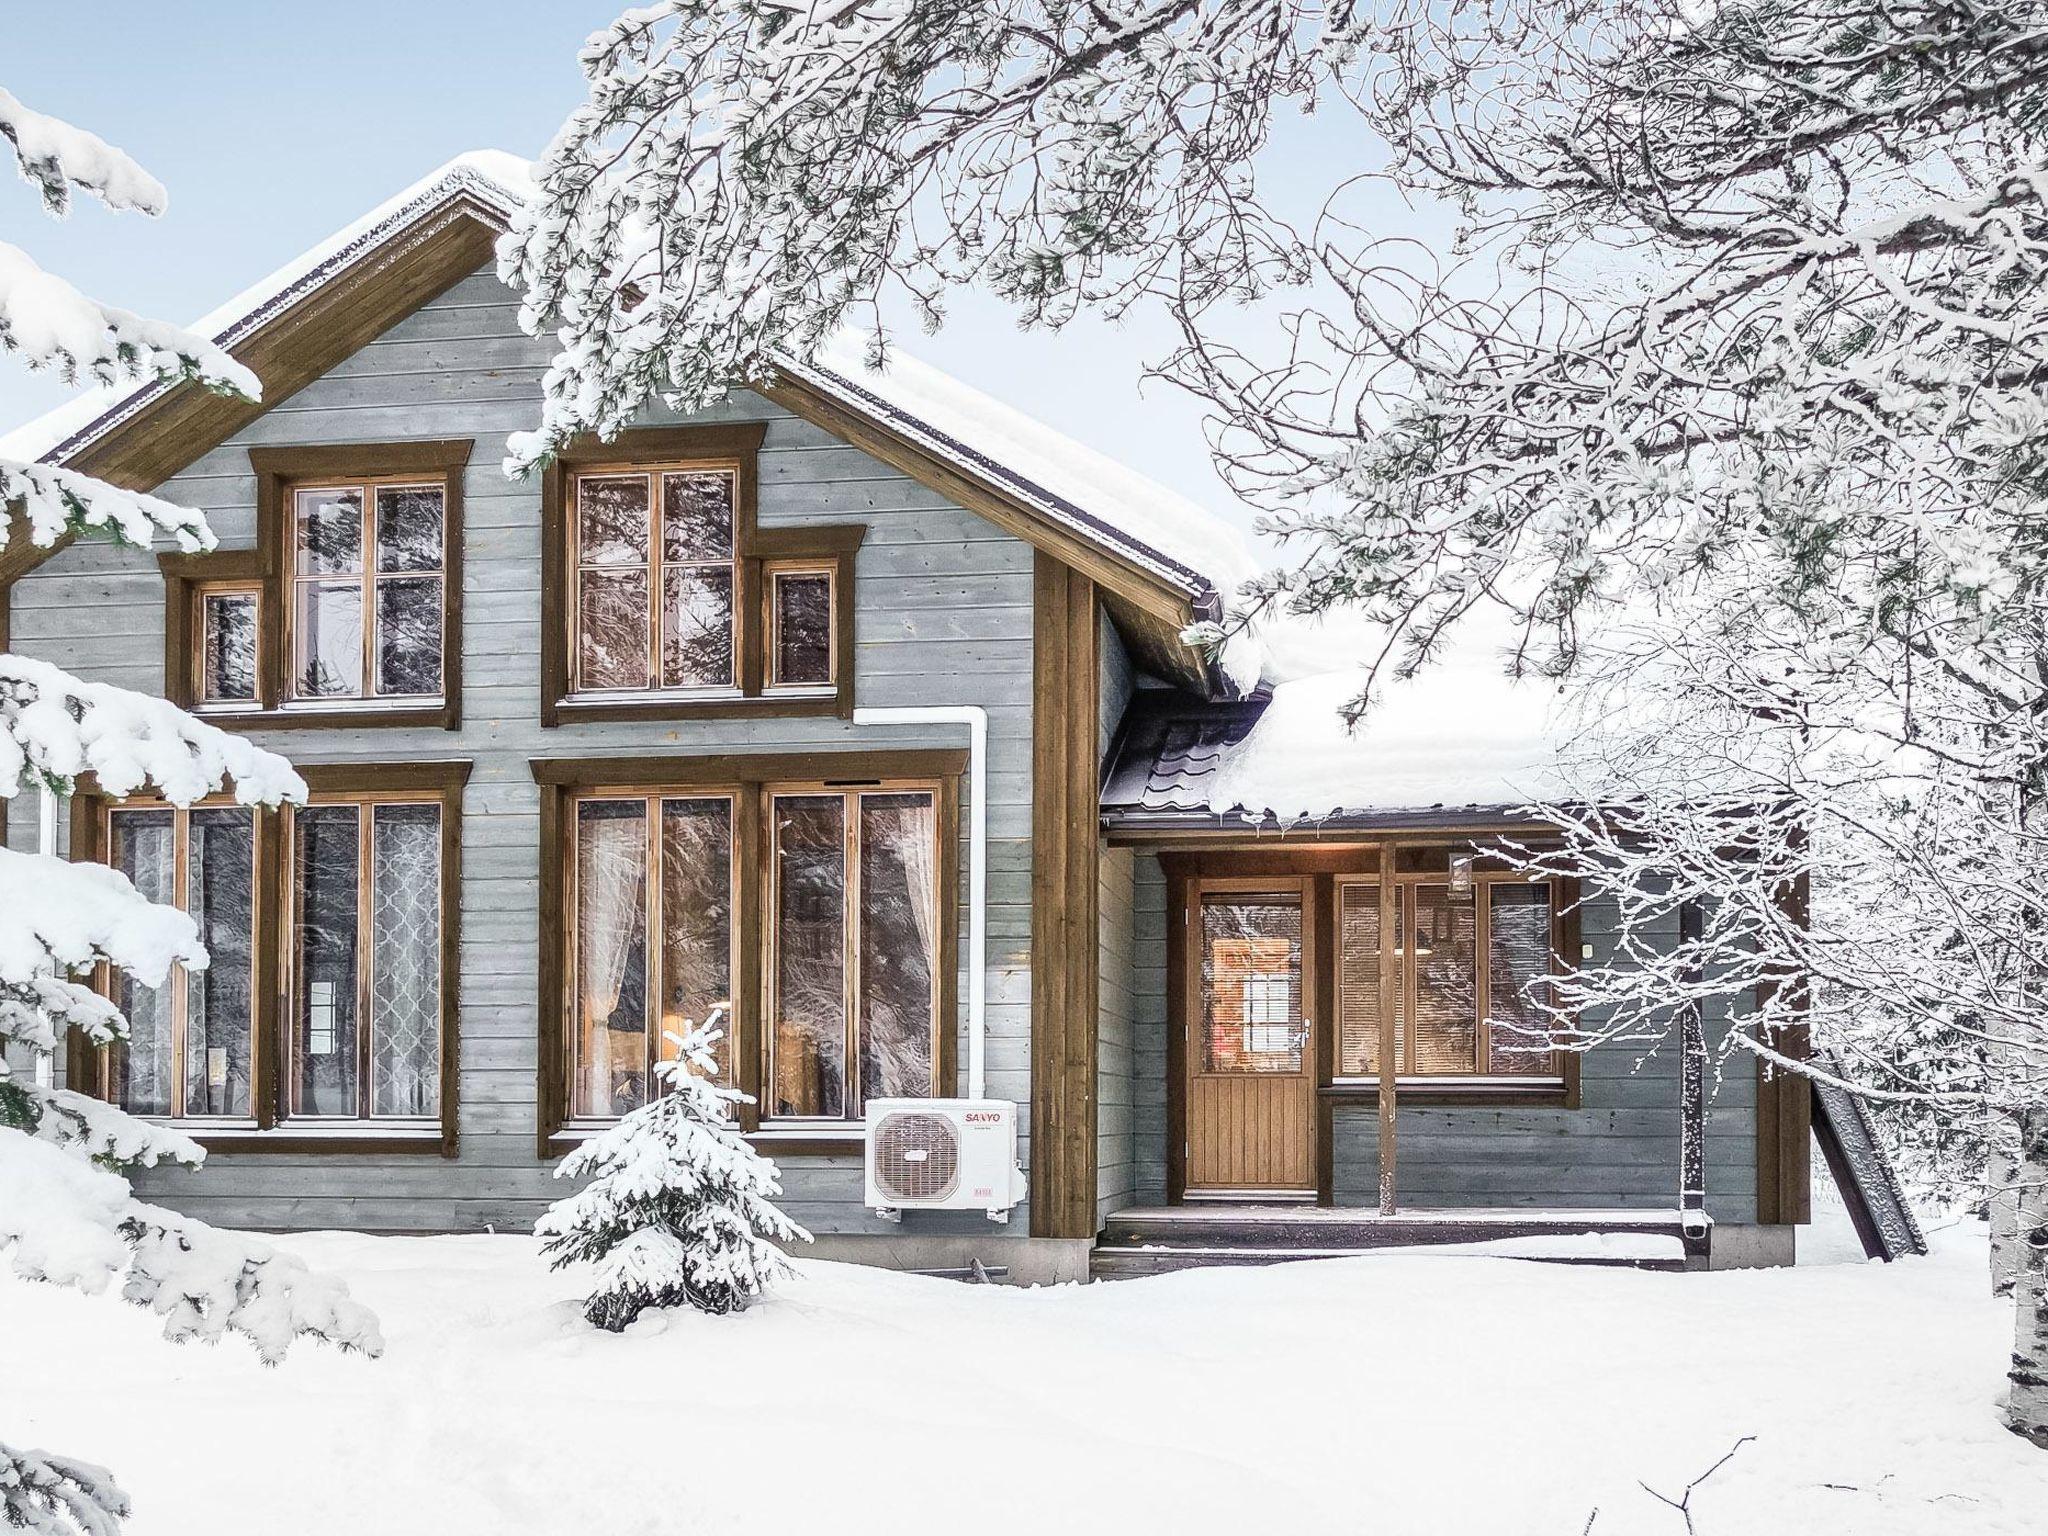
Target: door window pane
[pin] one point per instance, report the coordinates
(325, 1040)
(807, 1003)
(696, 643)
(409, 635)
(611, 526)
(405, 960)
(696, 922)
(409, 528)
(696, 516)
(899, 954)
(227, 647)
(220, 1013)
(143, 845)
(1440, 930)
(1517, 958)
(803, 627)
(330, 531)
(611, 957)
(1251, 984)
(330, 639)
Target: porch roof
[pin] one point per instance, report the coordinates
(1462, 745)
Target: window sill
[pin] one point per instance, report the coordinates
(432, 713)
(352, 1138)
(1428, 1092)
(725, 705)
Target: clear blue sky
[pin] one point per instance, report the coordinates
(274, 124)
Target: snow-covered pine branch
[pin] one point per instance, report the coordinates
(49, 325)
(57, 501)
(54, 156)
(65, 1215)
(50, 1495)
(678, 1210)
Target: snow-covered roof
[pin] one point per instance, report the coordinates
(1462, 737)
(1182, 544)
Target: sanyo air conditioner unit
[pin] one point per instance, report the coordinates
(943, 1155)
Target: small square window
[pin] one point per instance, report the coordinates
(800, 629)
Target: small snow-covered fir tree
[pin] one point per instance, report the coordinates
(677, 1211)
(67, 1216)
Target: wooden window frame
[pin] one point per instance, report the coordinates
(94, 1067)
(270, 569)
(1410, 1083)
(1189, 873)
(272, 1127)
(837, 569)
(751, 780)
(650, 450)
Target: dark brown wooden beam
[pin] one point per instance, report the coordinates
(1065, 850)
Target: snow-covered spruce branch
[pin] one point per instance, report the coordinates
(54, 156)
(50, 1495)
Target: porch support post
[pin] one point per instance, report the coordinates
(1692, 1083)
(1391, 983)
(1065, 946)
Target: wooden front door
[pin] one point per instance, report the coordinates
(1250, 1045)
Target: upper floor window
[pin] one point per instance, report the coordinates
(663, 597)
(368, 590)
(656, 579)
(347, 611)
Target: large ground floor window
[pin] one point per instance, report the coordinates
(326, 1006)
(813, 918)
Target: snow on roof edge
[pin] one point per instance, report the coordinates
(503, 181)
(498, 177)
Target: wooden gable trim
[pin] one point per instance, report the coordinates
(287, 351)
(1149, 611)
(1065, 853)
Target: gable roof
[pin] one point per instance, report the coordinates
(1162, 561)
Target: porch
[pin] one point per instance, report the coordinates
(1159, 1239)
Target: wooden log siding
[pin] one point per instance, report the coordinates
(942, 614)
(1065, 954)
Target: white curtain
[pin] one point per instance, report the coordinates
(611, 867)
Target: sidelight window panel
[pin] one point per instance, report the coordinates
(611, 957)
(368, 591)
(405, 960)
(1518, 958)
(190, 1041)
(807, 1011)
(899, 956)
(696, 924)
(365, 960)
(220, 1001)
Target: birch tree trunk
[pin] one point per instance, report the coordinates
(2027, 1408)
(2001, 1200)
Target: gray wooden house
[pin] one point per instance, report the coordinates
(857, 709)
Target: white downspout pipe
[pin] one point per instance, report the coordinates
(975, 718)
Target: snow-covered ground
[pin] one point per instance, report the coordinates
(1396, 1394)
